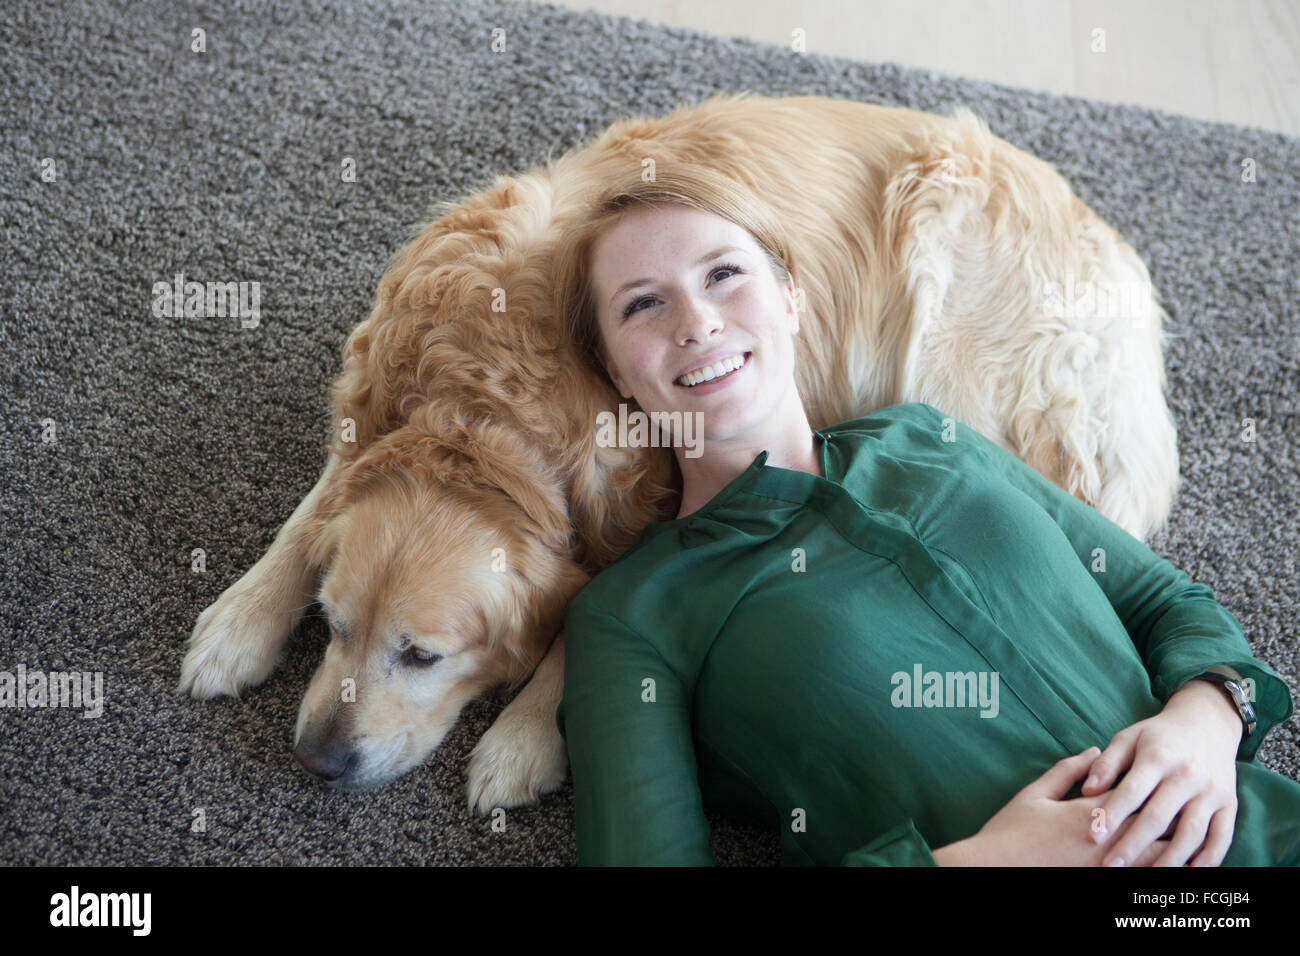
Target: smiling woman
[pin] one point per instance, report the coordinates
(682, 292)
(748, 656)
(579, 303)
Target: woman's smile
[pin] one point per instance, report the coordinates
(715, 376)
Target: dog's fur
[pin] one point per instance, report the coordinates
(472, 502)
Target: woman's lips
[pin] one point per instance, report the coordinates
(719, 383)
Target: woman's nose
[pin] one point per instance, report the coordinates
(697, 321)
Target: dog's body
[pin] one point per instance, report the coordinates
(474, 501)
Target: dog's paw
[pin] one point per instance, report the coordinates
(235, 645)
(521, 757)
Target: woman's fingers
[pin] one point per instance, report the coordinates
(1061, 776)
(1165, 803)
(1218, 839)
(1152, 853)
(1113, 761)
(1134, 790)
(1192, 826)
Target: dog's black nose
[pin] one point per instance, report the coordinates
(328, 763)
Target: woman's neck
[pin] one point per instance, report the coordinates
(792, 446)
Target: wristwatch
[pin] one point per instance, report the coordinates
(1231, 681)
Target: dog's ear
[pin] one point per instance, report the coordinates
(491, 456)
(615, 493)
(324, 540)
(539, 499)
(532, 627)
(325, 526)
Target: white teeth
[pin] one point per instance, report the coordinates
(710, 372)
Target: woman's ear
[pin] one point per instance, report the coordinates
(792, 302)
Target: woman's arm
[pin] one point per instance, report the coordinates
(1178, 767)
(627, 723)
(1178, 627)
(635, 780)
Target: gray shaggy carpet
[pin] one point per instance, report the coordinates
(131, 439)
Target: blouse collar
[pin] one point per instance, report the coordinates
(757, 470)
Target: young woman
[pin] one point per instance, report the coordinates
(890, 638)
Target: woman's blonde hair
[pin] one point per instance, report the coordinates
(698, 187)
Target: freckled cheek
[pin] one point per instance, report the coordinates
(648, 359)
(749, 309)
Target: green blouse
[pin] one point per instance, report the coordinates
(877, 660)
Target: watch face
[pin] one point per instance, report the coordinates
(1239, 695)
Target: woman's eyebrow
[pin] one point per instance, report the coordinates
(703, 259)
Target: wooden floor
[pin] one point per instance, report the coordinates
(1235, 62)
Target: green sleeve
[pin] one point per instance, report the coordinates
(636, 791)
(1176, 624)
(899, 846)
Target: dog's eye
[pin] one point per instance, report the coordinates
(417, 657)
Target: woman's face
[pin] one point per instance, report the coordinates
(692, 312)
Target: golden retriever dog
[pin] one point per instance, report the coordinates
(465, 499)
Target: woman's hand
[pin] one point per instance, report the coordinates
(1181, 763)
(1038, 828)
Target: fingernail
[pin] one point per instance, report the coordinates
(1092, 781)
(1114, 861)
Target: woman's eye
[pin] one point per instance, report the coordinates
(417, 657)
(633, 305)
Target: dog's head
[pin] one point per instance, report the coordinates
(446, 569)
